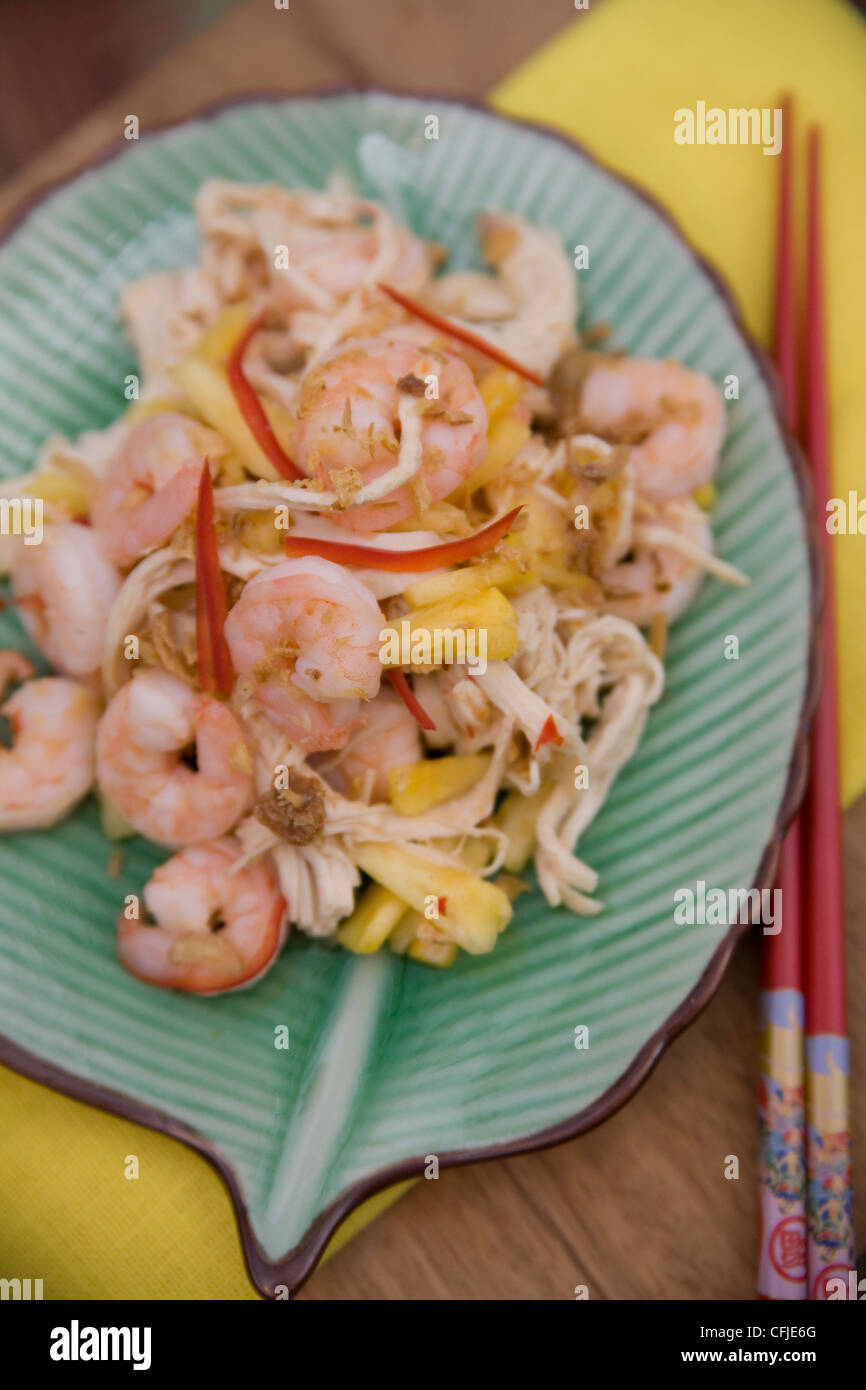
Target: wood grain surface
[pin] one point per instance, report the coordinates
(640, 1208)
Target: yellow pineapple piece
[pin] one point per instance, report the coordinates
(207, 387)
(405, 941)
(416, 787)
(706, 496)
(60, 487)
(500, 391)
(403, 934)
(159, 405)
(507, 575)
(115, 826)
(217, 342)
(375, 916)
(516, 816)
(433, 630)
(505, 439)
(475, 853)
(474, 911)
(439, 953)
(257, 532)
(542, 542)
(442, 517)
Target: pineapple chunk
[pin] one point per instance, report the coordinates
(258, 532)
(115, 826)
(376, 914)
(500, 391)
(503, 574)
(475, 853)
(217, 342)
(505, 440)
(439, 953)
(516, 816)
(416, 787)
(231, 471)
(61, 488)
(706, 496)
(475, 911)
(432, 630)
(160, 405)
(442, 517)
(207, 388)
(404, 933)
(542, 542)
(404, 941)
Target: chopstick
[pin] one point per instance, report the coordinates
(831, 1251)
(807, 1234)
(782, 1265)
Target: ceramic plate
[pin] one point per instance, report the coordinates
(390, 1061)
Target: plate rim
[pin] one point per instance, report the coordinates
(292, 1270)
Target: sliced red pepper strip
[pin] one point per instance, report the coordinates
(251, 407)
(427, 557)
(404, 690)
(214, 660)
(549, 734)
(456, 330)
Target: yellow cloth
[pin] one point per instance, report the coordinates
(614, 79)
(70, 1217)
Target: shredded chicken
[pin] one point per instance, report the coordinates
(306, 349)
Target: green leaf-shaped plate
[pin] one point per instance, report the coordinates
(390, 1061)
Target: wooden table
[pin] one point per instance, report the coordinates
(640, 1208)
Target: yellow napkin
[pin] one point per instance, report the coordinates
(70, 1217)
(614, 79)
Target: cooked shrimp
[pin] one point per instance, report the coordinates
(306, 632)
(140, 745)
(326, 264)
(335, 242)
(674, 417)
(659, 579)
(64, 589)
(216, 928)
(348, 431)
(51, 763)
(151, 484)
(386, 736)
(529, 307)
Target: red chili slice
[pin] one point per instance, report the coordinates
(214, 660)
(549, 734)
(456, 330)
(404, 690)
(251, 407)
(428, 557)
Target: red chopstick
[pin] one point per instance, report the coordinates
(785, 324)
(807, 1235)
(782, 1157)
(831, 1250)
